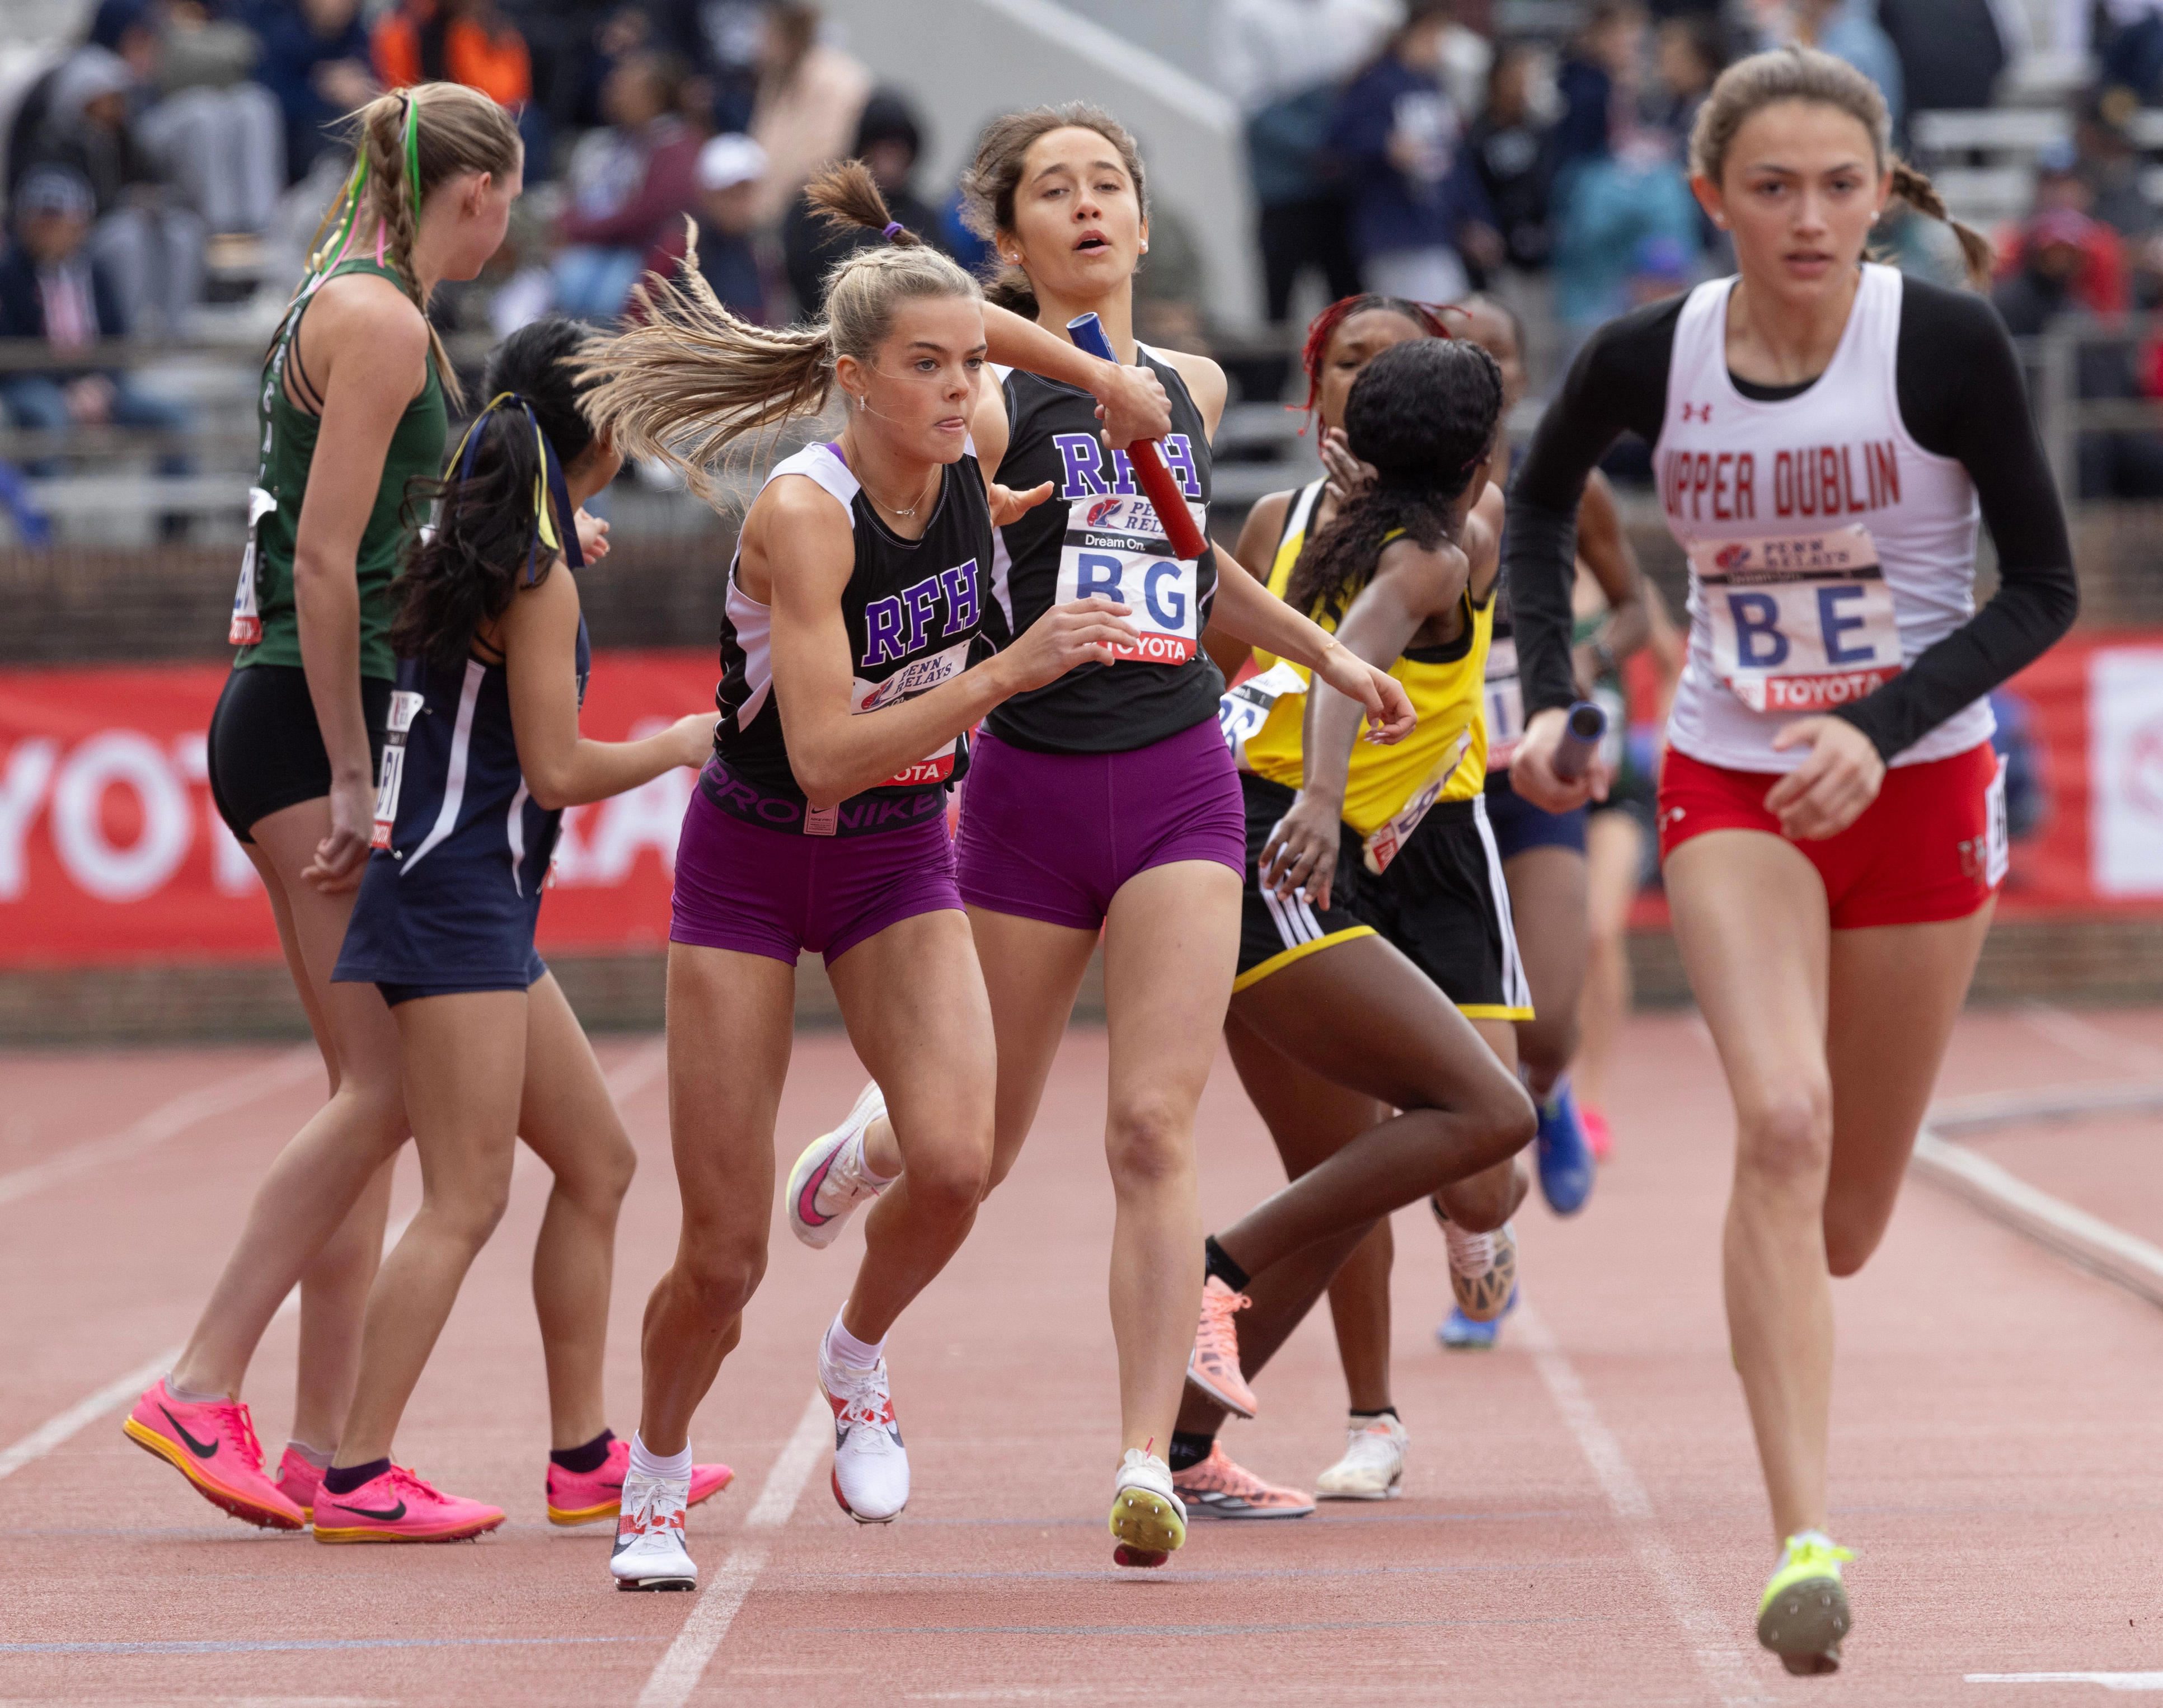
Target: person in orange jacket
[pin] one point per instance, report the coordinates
(459, 41)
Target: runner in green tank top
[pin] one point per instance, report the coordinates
(289, 434)
(352, 406)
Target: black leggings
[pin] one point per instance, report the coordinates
(266, 753)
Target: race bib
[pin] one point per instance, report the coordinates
(405, 707)
(1504, 704)
(1116, 546)
(918, 676)
(1384, 841)
(1243, 710)
(1800, 624)
(246, 627)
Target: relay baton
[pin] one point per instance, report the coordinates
(1581, 740)
(1162, 492)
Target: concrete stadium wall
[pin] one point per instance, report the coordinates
(964, 61)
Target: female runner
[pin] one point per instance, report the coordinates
(1831, 812)
(483, 755)
(1355, 985)
(1103, 803)
(862, 582)
(352, 408)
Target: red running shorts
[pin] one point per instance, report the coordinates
(1931, 846)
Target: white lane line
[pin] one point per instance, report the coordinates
(2109, 1681)
(678, 1674)
(2109, 1251)
(2089, 1041)
(86, 1412)
(628, 1078)
(121, 1389)
(168, 1120)
(1726, 1667)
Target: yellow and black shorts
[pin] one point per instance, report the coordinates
(1273, 933)
(1444, 903)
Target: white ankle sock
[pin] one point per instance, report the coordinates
(844, 1349)
(863, 1161)
(189, 1395)
(314, 1456)
(669, 1467)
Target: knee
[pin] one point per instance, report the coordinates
(1506, 1118)
(471, 1216)
(1784, 1138)
(721, 1269)
(602, 1181)
(949, 1188)
(1148, 1140)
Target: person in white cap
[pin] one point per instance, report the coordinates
(730, 169)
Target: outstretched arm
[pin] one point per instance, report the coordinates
(1130, 401)
(539, 636)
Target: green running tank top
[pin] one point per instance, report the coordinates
(265, 623)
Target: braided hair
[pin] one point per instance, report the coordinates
(502, 512)
(1424, 415)
(1323, 328)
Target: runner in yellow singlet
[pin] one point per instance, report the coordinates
(1368, 876)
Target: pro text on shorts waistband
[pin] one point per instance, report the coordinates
(860, 815)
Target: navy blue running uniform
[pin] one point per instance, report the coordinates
(449, 902)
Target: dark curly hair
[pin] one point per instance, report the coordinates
(462, 575)
(1424, 414)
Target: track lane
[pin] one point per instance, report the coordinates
(1991, 1399)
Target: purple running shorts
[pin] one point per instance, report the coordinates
(777, 894)
(1052, 836)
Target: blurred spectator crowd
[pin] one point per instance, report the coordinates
(179, 153)
(1410, 146)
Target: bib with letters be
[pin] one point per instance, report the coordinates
(1801, 624)
(1827, 549)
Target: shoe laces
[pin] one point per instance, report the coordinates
(1469, 1254)
(644, 1515)
(1217, 1337)
(864, 1395)
(239, 1429)
(1813, 1549)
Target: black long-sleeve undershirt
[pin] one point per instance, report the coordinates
(1961, 396)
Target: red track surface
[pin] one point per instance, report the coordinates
(1583, 1522)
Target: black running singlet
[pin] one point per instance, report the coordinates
(1096, 533)
(913, 610)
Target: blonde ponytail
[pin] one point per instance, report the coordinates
(689, 379)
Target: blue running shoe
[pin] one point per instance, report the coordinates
(1566, 1165)
(1458, 1332)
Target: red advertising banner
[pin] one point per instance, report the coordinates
(2082, 729)
(111, 853)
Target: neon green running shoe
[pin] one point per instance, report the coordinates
(1803, 1614)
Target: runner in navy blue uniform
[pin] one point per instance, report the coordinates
(1103, 804)
(483, 755)
(853, 669)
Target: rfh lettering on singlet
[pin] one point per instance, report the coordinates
(897, 629)
(1801, 623)
(1818, 480)
(1115, 545)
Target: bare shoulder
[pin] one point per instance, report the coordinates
(1205, 383)
(548, 608)
(1261, 531)
(1431, 577)
(368, 307)
(795, 525)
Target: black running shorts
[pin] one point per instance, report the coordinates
(1273, 933)
(266, 753)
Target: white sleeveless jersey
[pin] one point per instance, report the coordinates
(1827, 548)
